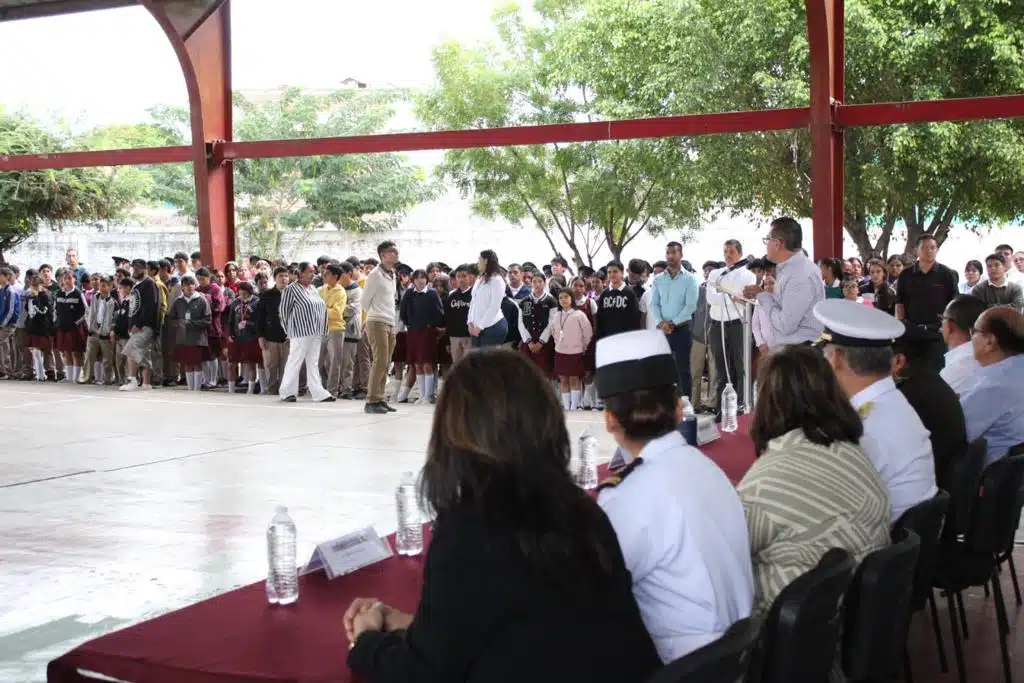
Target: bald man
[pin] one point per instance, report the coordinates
(992, 403)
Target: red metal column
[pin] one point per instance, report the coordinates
(826, 72)
(201, 37)
(838, 134)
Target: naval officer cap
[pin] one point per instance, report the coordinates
(631, 361)
(848, 323)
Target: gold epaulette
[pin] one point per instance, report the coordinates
(620, 476)
(865, 410)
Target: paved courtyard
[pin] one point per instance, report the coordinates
(118, 507)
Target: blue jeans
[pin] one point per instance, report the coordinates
(681, 341)
(492, 336)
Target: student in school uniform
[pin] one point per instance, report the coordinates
(571, 330)
(456, 312)
(100, 324)
(534, 315)
(353, 329)
(122, 327)
(72, 334)
(39, 330)
(244, 351)
(585, 303)
(192, 316)
(422, 313)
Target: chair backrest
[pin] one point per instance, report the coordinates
(801, 631)
(964, 478)
(726, 660)
(995, 513)
(878, 611)
(924, 519)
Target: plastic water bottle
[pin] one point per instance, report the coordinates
(282, 573)
(730, 405)
(589, 447)
(409, 538)
(688, 428)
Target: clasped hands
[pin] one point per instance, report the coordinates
(370, 614)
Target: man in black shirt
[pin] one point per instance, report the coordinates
(456, 313)
(922, 293)
(618, 309)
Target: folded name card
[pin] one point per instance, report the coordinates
(347, 553)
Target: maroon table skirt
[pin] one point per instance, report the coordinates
(237, 637)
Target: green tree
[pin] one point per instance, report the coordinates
(356, 192)
(665, 57)
(583, 196)
(32, 199)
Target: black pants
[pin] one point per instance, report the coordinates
(731, 355)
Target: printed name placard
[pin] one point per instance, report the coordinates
(346, 554)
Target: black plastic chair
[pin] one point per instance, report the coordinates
(974, 558)
(726, 660)
(965, 472)
(878, 612)
(1007, 555)
(801, 631)
(926, 520)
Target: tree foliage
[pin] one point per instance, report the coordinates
(665, 57)
(356, 192)
(581, 196)
(31, 199)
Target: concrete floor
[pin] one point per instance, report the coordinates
(118, 507)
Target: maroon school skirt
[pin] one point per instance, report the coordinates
(400, 348)
(569, 364)
(543, 359)
(444, 351)
(245, 352)
(192, 355)
(72, 341)
(421, 345)
(36, 342)
(216, 344)
(590, 357)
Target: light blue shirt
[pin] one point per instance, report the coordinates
(675, 298)
(683, 534)
(993, 407)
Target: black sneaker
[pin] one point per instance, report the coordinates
(387, 406)
(329, 399)
(289, 399)
(359, 395)
(347, 396)
(375, 408)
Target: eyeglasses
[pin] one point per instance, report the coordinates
(769, 238)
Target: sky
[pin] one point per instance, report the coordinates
(110, 66)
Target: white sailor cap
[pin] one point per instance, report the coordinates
(848, 323)
(633, 360)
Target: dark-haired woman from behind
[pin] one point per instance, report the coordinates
(812, 488)
(524, 579)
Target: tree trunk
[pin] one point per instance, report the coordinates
(856, 225)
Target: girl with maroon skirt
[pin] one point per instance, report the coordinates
(572, 332)
(534, 314)
(243, 340)
(72, 332)
(588, 305)
(422, 314)
(39, 329)
(191, 317)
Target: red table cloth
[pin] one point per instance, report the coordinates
(237, 637)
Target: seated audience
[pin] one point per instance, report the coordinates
(858, 344)
(812, 487)
(678, 518)
(957, 323)
(998, 290)
(992, 403)
(524, 571)
(932, 399)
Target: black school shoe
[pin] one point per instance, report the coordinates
(378, 408)
(289, 399)
(329, 399)
(347, 396)
(387, 407)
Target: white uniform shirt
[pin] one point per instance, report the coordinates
(898, 445)
(683, 534)
(722, 307)
(961, 367)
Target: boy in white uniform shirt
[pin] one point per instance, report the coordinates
(679, 520)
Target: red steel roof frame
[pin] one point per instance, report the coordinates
(203, 49)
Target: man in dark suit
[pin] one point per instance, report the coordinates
(931, 398)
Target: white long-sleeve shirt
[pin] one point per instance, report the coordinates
(721, 306)
(378, 299)
(485, 306)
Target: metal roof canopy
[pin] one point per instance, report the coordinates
(200, 34)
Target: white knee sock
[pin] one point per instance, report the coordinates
(196, 380)
(421, 384)
(97, 370)
(252, 387)
(566, 401)
(261, 377)
(231, 387)
(403, 394)
(73, 372)
(574, 400)
(37, 356)
(430, 383)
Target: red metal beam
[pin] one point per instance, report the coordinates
(697, 124)
(930, 111)
(107, 157)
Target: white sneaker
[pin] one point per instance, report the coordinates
(145, 387)
(130, 385)
(423, 401)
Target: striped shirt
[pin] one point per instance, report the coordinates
(801, 500)
(303, 312)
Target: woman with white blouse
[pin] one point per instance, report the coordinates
(487, 324)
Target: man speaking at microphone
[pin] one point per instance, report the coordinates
(727, 318)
